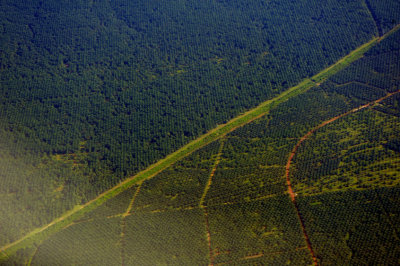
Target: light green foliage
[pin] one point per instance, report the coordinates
(245, 184)
(90, 243)
(354, 227)
(268, 227)
(179, 186)
(106, 88)
(349, 154)
(117, 205)
(172, 189)
(166, 238)
(359, 150)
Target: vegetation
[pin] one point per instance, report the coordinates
(99, 244)
(222, 197)
(246, 172)
(359, 150)
(98, 91)
(326, 161)
(354, 227)
(267, 230)
(112, 207)
(384, 13)
(166, 238)
(196, 144)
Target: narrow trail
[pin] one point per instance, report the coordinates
(33, 256)
(186, 208)
(208, 236)
(212, 135)
(123, 224)
(255, 256)
(203, 196)
(370, 10)
(78, 222)
(208, 185)
(292, 194)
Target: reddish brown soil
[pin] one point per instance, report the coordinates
(253, 256)
(208, 236)
(293, 152)
(208, 185)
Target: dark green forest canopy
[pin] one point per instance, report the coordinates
(93, 91)
(144, 77)
(227, 202)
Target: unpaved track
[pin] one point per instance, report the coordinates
(216, 163)
(292, 194)
(208, 236)
(123, 224)
(212, 135)
(201, 203)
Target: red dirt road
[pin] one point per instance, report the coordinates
(293, 152)
(208, 236)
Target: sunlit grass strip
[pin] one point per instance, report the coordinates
(42, 233)
(345, 61)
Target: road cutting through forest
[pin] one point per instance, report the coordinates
(291, 192)
(45, 231)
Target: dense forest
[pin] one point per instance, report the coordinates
(228, 202)
(93, 91)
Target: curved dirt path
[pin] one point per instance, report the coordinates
(292, 194)
(212, 135)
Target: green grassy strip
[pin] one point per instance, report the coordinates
(345, 61)
(41, 234)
